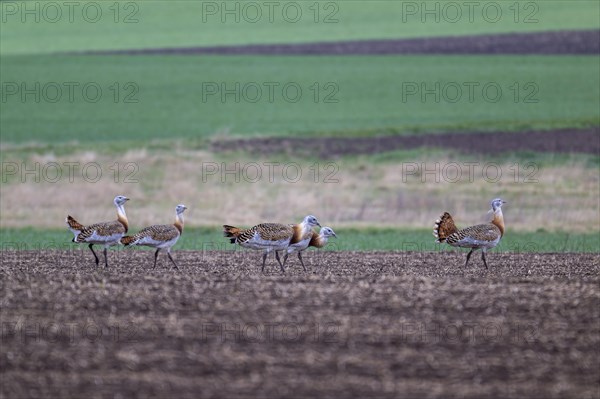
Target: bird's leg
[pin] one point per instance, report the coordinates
(155, 257)
(106, 257)
(279, 260)
(468, 256)
(483, 257)
(172, 260)
(95, 256)
(301, 261)
(285, 258)
(264, 260)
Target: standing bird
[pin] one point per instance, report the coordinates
(481, 236)
(159, 236)
(106, 233)
(269, 237)
(313, 240)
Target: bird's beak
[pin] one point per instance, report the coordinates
(126, 199)
(318, 224)
(504, 202)
(335, 235)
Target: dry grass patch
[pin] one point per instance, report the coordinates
(351, 192)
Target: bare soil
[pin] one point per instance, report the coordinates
(556, 42)
(357, 324)
(553, 141)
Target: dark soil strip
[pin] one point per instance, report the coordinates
(556, 141)
(559, 42)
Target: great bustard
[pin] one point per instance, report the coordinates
(313, 240)
(481, 236)
(160, 236)
(269, 237)
(106, 233)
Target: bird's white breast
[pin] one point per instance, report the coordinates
(470, 242)
(299, 246)
(112, 239)
(151, 242)
(257, 242)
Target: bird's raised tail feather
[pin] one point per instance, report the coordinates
(444, 227)
(74, 224)
(231, 232)
(127, 240)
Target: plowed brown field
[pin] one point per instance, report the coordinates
(354, 325)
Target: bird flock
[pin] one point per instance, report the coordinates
(158, 236)
(271, 237)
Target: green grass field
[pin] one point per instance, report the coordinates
(351, 239)
(162, 111)
(149, 24)
(360, 96)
